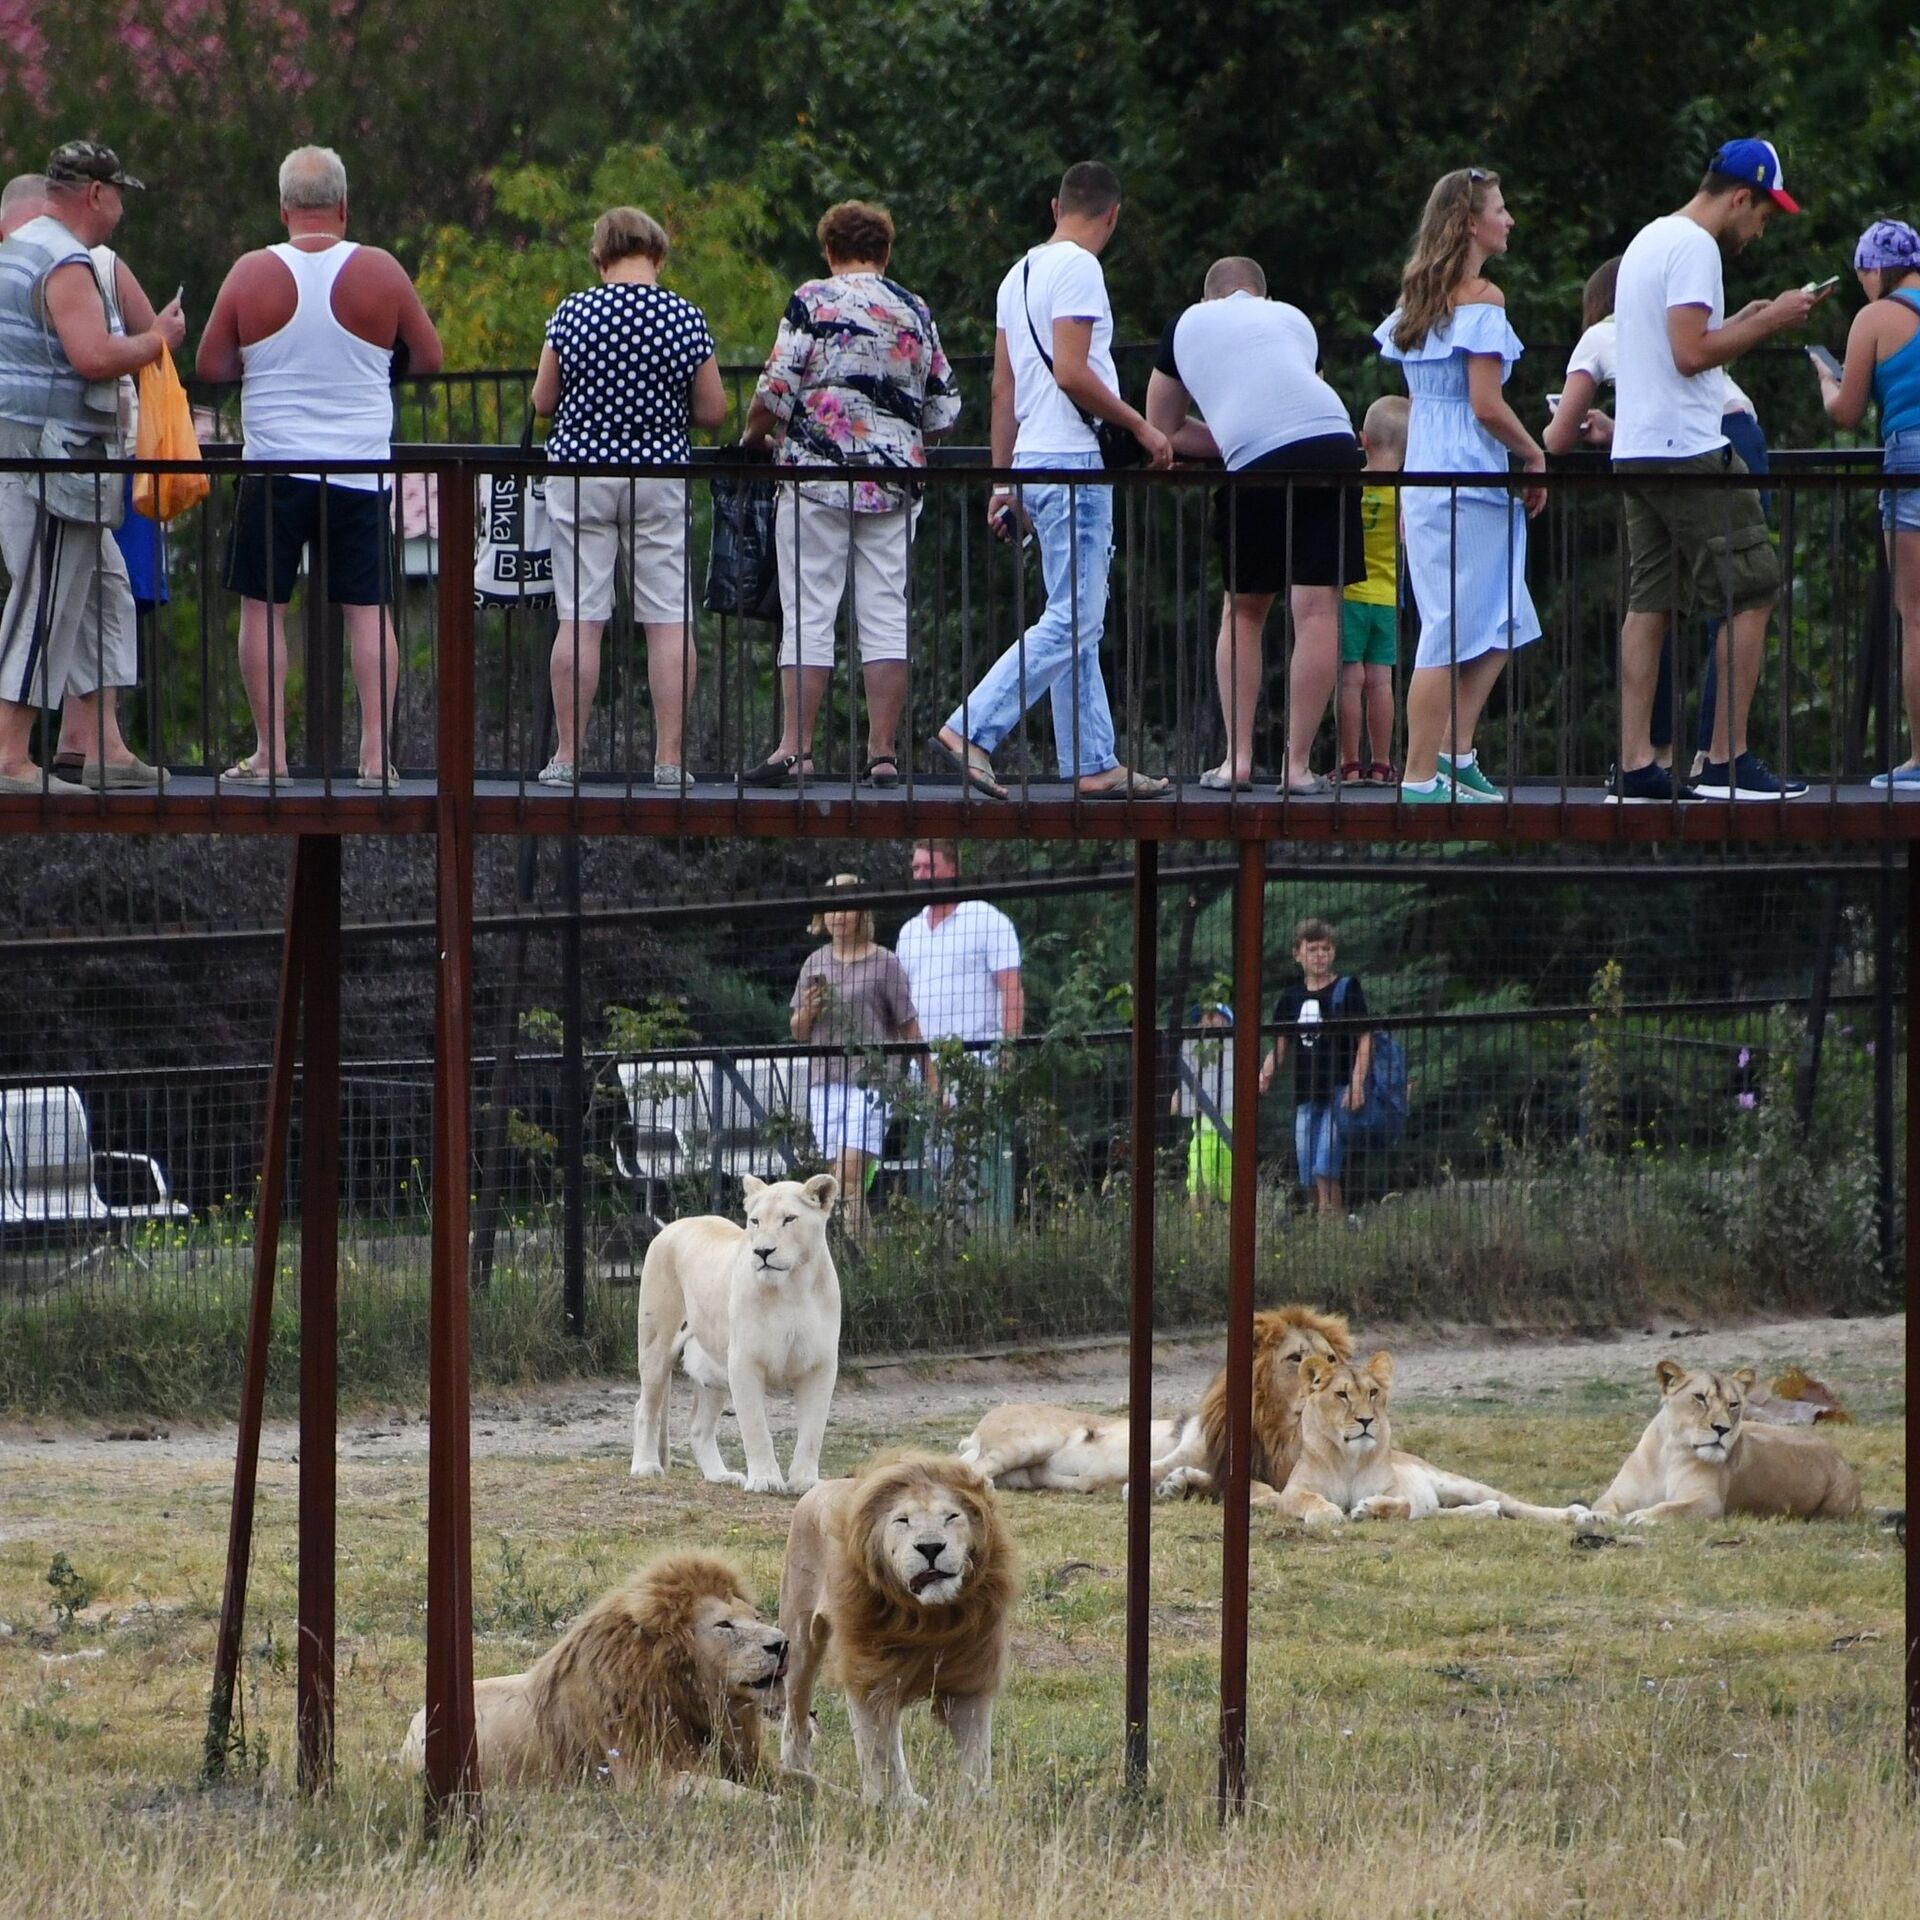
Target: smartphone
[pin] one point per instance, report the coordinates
(1825, 361)
(1821, 288)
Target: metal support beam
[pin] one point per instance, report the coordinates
(319, 879)
(1143, 1118)
(1912, 1301)
(573, 1099)
(1249, 910)
(253, 1381)
(452, 1771)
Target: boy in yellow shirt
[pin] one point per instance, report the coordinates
(1370, 609)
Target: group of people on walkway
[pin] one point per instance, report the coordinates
(856, 386)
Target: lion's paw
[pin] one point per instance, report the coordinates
(801, 1482)
(647, 1470)
(1176, 1483)
(760, 1482)
(726, 1477)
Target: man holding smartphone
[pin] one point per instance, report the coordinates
(1694, 551)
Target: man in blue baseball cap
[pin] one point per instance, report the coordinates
(1694, 551)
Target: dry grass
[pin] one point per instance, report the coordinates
(1466, 1718)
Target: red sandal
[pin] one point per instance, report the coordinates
(1382, 774)
(1350, 773)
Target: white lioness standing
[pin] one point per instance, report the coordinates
(749, 1308)
(1349, 1467)
(1699, 1460)
(1034, 1444)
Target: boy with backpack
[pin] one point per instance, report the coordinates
(1329, 1069)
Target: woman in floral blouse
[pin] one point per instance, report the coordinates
(859, 383)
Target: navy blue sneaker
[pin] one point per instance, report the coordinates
(1648, 784)
(1749, 778)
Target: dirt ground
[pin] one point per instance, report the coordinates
(938, 1397)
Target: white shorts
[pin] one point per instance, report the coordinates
(846, 1119)
(817, 543)
(69, 618)
(594, 521)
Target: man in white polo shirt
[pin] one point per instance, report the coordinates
(1694, 551)
(1251, 365)
(962, 959)
(963, 956)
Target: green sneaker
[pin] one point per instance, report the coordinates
(1444, 794)
(1468, 779)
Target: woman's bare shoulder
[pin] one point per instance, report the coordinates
(1478, 292)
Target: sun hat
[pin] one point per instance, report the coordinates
(1756, 162)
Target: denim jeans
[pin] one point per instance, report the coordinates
(1319, 1140)
(1059, 655)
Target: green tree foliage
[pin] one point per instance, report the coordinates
(491, 289)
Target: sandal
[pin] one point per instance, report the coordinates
(975, 775)
(1135, 786)
(883, 770)
(1219, 780)
(1352, 773)
(373, 777)
(1383, 773)
(779, 773)
(1314, 787)
(250, 772)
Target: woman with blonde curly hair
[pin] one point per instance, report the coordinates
(1467, 546)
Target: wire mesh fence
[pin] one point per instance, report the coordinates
(1620, 1084)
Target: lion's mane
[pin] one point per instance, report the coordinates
(1276, 1428)
(625, 1678)
(884, 1639)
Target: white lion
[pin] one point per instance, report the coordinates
(748, 1309)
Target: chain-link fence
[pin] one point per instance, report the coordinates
(1592, 1087)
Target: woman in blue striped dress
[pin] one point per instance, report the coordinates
(1466, 548)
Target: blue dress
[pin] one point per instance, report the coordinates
(1466, 550)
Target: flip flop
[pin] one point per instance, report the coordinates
(249, 772)
(374, 779)
(1315, 786)
(1136, 786)
(778, 773)
(1219, 780)
(973, 776)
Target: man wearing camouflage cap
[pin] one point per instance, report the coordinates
(60, 366)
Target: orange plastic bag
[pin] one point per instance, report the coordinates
(166, 433)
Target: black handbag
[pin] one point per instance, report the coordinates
(1119, 450)
(742, 577)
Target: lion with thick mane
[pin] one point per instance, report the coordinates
(1283, 1337)
(1350, 1468)
(663, 1677)
(901, 1582)
(1699, 1459)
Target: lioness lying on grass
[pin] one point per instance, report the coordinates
(1699, 1460)
(1348, 1467)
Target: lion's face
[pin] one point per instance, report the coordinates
(1298, 1344)
(1345, 1409)
(1701, 1410)
(738, 1654)
(925, 1538)
(787, 1221)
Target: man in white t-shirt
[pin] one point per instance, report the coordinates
(1053, 377)
(1251, 365)
(962, 959)
(1695, 550)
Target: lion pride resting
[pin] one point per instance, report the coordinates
(664, 1676)
(1349, 1467)
(1699, 1460)
(901, 1581)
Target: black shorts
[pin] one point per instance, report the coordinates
(263, 554)
(1264, 550)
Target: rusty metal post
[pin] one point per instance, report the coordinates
(452, 1772)
(1146, 933)
(1249, 907)
(319, 875)
(253, 1379)
(1912, 1301)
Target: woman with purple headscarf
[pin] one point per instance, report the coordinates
(1883, 364)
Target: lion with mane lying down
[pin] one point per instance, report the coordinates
(1349, 1466)
(1700, 1460)
(1283, 1337)
(663, 1677)
(901, 1582)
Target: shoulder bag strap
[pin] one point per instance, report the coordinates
(1026, 307)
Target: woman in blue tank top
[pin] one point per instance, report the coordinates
(1883, 364)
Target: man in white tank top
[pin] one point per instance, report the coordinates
(310, 329)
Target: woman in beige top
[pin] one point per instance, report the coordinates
(852, 994)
